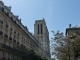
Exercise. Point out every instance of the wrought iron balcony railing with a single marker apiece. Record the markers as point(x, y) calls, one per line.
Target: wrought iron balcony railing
point(10, 48)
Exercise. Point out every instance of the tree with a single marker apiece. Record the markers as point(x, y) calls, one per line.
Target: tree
point(58, 44)
point(63, 47)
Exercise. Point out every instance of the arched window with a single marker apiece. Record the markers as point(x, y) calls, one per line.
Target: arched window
point(41, 29)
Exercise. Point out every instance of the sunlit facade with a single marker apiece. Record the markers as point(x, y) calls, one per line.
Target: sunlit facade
point(13, 34)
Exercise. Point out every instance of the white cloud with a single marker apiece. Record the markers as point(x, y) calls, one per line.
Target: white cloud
point(50, 10)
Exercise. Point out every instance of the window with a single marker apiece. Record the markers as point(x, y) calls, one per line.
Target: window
point(7, 14)
point(17, 42)
point(11, 18)
point(15, 32)
point(38, 28)
point(1, 20)
point(10, 38)
point(18, 34)
point(14, 40)
point(1, 31)
point(6, 25)
point(2, 9)
point(26, 40)
point(22, 37)
point(11, 29)
point(41, 29)
point(6, 35)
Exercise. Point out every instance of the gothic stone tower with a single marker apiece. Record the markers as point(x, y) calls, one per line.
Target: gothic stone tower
point(42, 35)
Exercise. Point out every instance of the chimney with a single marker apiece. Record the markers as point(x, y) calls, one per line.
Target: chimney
point(69, 25)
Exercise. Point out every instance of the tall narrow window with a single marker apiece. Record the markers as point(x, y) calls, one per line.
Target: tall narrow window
point(11, 18)
point(41, 29)
point(6, 24)
point(7, 14)
point(2, 9)
point(38, 28)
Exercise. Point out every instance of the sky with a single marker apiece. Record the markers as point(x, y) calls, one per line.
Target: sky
point(58, 14)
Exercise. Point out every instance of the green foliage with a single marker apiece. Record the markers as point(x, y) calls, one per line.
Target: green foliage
point(31, 55)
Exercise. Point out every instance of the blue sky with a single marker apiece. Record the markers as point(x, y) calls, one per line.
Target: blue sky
point(58, 14)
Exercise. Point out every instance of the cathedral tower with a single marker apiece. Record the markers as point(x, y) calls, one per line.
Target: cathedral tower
point(42, 35)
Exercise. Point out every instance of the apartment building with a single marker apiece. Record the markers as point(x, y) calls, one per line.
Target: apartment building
point(13, 35)
point(73, 29)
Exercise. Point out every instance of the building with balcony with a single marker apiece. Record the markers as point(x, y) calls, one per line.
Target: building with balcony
point(14, 35)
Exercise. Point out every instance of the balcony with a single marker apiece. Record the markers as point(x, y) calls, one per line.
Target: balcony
point(14, 50)
point(6, 36)
point(10, 38)
point(11, 18)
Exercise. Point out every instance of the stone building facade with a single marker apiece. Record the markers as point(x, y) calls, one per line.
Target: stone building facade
point(13, 34)
point(71, 30)
point(42, 35)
